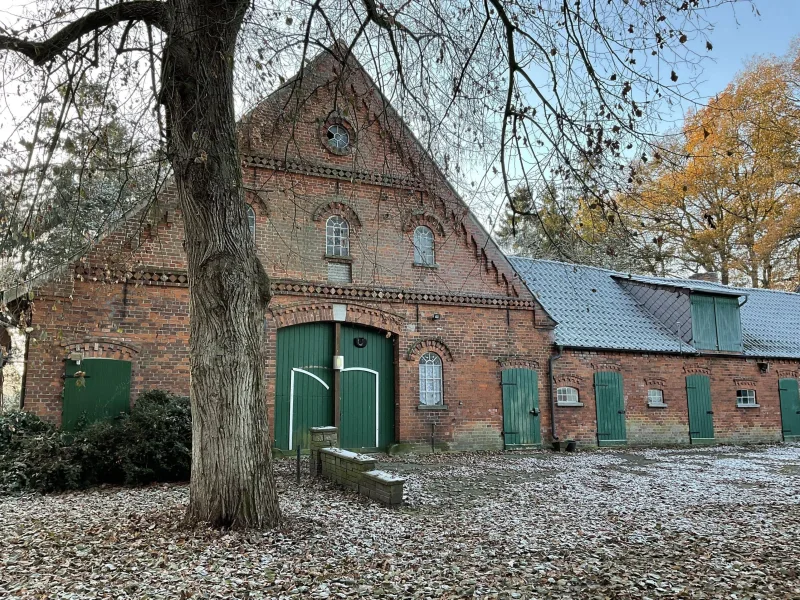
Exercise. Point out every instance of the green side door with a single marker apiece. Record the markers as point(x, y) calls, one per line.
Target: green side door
point(367, 411)
point(303, 383)
point(610, 403)
point(790, 409)
point(102, 392)
point(701, 417)
point(521, 415)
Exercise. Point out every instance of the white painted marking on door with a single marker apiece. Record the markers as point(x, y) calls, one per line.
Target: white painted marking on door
point(377, 397)
point(291, 397)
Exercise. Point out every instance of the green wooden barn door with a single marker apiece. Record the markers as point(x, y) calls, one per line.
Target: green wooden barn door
point(521, 415)
point(701, 417)
point(102, 393)
point(610, 403)
point(790, 409)
point(303, 383)
point(366, 419)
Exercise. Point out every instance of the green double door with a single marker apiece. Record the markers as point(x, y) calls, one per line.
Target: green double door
point(97, 389)
point(701, 417)
point(521, 414)
point(305, 385)
point(610, 404)
point(790, 409)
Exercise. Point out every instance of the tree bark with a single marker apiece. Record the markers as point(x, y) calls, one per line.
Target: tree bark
point(232, 481)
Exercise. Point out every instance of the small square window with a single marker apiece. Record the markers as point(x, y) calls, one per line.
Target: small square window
point(567, 396)
point(655, 397)
point(746, 398)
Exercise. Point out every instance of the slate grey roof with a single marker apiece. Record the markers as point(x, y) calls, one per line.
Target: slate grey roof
point(594, 311)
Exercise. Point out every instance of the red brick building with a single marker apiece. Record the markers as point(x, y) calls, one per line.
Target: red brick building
point(394, 314)
point(649, 360)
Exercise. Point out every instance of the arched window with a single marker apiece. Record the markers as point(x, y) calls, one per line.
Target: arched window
point(251, 220)
point(430, 379)
point(337, 237)
point(423, 246)
point(566, 396)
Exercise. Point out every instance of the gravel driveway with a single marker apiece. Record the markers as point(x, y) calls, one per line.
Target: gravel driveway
point(713, 523)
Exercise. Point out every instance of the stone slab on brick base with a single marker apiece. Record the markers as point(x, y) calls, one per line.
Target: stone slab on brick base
point(357, 472)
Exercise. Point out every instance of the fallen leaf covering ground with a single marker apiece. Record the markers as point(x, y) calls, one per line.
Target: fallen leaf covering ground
point(712, 523)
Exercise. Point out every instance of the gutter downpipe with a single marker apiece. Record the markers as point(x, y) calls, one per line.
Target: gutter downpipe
point(553, 358)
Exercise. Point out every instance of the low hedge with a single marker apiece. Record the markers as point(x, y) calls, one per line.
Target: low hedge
point(151, 444)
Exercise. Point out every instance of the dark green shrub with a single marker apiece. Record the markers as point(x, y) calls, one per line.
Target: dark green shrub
point(151, 444)
point(157, 439)
point(16, 425)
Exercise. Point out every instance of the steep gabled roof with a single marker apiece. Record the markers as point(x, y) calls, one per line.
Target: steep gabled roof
point(594, 311)
point(325, 68)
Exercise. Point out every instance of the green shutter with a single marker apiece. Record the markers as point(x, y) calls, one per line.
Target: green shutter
point(729, 325)
point(790, 409)
point(360, 400)
point(610, 404)
point(105, 392)
point(521, 414)
point(701, 419)
point(704, 323)
point(308, 403)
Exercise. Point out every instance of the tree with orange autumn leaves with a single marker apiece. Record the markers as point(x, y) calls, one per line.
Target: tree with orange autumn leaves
point(724, 194)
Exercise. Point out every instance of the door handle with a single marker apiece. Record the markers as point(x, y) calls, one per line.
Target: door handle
point(534, 412)
point(709, 412)
point(620, 412)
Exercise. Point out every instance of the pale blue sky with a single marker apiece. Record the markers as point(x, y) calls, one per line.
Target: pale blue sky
point(739, 34)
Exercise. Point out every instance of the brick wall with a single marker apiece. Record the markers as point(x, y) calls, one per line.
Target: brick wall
point(670, 425)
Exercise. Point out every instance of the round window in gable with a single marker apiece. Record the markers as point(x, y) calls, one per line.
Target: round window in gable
point(338, 137)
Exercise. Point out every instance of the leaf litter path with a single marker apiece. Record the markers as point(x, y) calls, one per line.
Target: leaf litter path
point(713, 523)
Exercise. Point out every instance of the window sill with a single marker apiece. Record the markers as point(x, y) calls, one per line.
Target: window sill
point(654, 405)
point(335, 258)
point(569, 404)
point(434, 407)
point(748, 406)
point(425, 266)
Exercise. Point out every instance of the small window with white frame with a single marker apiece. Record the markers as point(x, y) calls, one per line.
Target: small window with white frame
point(746, 398)
point(337, 236)
point(567, 396)
point(655, 397)
point(424, 247)
point(430, 380)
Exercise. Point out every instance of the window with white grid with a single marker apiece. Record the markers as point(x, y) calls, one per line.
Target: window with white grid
point(567, 395)
point(423, 246)
point(746, 398)
point(337, 237)
point(655, 397)
point(430, 379)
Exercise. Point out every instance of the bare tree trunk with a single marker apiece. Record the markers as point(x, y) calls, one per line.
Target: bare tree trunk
point(232, 480)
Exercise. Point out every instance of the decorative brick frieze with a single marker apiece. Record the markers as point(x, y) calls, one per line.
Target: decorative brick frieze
point(95, 347)
point(606, 366)
point(696, 370)
point(311, 313)
point(337, 207)
point(378, 294)
point(427, 219)
point(740, 382)
point(517, 363)
point(429, 345)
